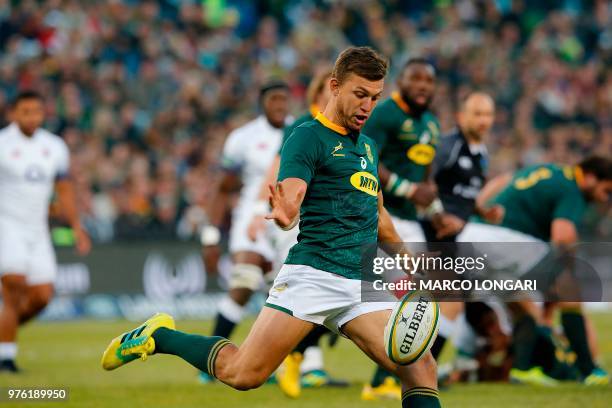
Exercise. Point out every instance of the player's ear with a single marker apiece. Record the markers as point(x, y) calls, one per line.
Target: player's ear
point(334, 85)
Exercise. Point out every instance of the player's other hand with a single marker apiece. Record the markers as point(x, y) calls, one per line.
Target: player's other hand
point(493, 215)
point(423, 194)
point(211, 255)
point(447, 225)
point(285, 210)
point(256, 227)
point(82, 241)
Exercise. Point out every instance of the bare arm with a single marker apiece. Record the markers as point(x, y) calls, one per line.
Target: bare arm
point(67, 204)
point(386, 230)
point(219, 203)
point(563, 232)
point(492, 188)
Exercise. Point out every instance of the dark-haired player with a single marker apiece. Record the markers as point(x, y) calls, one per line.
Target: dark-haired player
point(320, 281)
point(407, 134)
point(543, 204)
point(33, 162)
point(247, 154)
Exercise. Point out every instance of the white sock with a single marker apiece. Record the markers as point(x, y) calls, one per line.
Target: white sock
point(447, 327)
point(231, 310)
point(8, 351)
point(313, 359)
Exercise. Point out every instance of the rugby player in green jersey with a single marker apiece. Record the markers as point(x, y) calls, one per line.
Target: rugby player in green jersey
point(407, 134)
point(328, 180)
point(304, 366)
point(543, 204)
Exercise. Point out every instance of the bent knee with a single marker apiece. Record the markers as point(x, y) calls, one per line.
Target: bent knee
point(249, 381)
point(422, 373)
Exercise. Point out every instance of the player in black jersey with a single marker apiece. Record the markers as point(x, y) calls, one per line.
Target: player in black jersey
point(460, 171)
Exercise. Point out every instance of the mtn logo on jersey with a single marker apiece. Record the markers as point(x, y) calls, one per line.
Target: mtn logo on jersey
point(421, 154)
point(366, 182)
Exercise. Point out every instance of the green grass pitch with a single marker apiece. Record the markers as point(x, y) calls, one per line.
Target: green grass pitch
point(68, 355)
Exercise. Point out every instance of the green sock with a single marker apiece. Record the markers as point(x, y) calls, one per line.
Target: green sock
point(524, 339)
point(379, 376)
point(420, 397)
point(575, 331)
point(199, 351)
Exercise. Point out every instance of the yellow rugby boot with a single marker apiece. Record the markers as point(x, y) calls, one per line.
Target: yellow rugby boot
point(136, 343)
point(389, 389)
point(288, 375)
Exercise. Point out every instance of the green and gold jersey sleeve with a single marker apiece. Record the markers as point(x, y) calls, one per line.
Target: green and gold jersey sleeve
point(570, 204)
point(300, 155)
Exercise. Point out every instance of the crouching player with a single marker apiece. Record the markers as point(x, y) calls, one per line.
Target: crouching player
point(543, 203)
point(334, 191)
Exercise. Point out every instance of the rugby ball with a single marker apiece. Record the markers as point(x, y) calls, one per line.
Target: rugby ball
point(412, 328)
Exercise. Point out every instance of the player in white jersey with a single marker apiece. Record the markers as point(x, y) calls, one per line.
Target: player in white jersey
point(33, 162)
point(247, 154)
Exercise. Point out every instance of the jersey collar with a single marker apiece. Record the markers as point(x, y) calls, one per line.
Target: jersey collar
point(399, 101)
point(314, 110)
point(331, 125)
point(579, 175)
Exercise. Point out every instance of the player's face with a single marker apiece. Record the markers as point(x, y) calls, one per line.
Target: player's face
point(477, 116)
point(356, 97)
point(29, 115)
point(596, 190)
point(276, 106)
point(417, 85)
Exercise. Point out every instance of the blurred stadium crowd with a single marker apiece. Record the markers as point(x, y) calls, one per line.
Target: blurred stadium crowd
point(145, 92)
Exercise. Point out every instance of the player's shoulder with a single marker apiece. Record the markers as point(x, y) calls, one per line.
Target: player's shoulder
point(245, 132)
point(309, 134)
point(309, 128)
point(51, 138)
point(451, 138)
point(7, 130)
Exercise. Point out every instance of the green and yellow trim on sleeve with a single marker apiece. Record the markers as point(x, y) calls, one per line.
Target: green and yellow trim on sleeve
point(400, 102)
point(331, 125)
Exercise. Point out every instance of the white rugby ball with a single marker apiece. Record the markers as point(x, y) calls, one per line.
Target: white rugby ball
point(412, 328)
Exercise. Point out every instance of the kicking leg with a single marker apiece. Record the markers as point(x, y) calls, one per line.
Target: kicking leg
point(419, 380)
point(273, 335)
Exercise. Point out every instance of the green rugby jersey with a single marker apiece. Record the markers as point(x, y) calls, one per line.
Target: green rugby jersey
point(340, 210)
point(288, 130)
point(539, 194)
point(407, 146)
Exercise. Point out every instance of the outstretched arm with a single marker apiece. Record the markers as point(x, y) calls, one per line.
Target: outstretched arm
point(285, 200)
